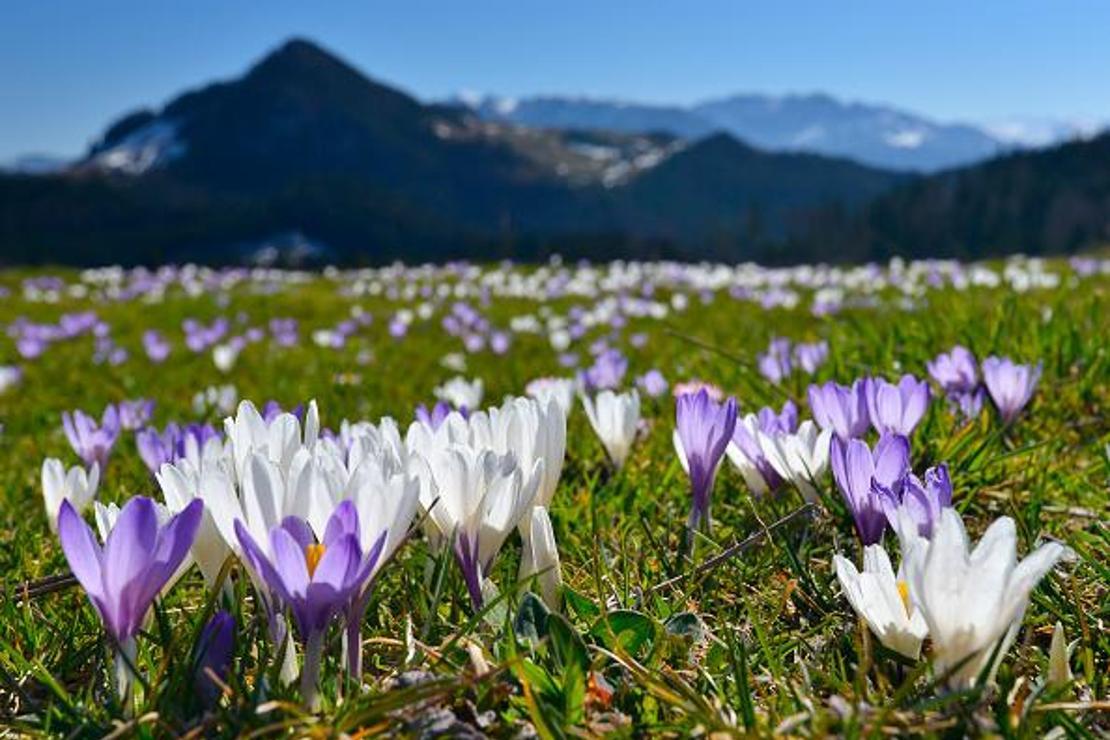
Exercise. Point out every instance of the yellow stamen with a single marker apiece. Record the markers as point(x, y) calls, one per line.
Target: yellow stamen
point(312, 555)
point(904, 592)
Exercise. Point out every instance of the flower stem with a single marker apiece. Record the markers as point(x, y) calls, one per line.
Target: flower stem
point(310, 671)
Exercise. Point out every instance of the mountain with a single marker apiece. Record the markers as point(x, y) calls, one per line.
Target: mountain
point(720, 191)
point(305, 149)
point(876, 135)
point(584, 113)
point(1032, 132)
point(34, 164)
point(1050, 201)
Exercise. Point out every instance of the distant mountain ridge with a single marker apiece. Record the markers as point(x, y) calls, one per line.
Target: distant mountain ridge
point(303, 143)
point(305, 157)
point(880, 136)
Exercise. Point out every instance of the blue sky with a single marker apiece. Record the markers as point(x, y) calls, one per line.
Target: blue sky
point(69, 68)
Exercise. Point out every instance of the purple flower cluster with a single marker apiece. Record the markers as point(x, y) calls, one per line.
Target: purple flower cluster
point(783, 357)
point(1009, 384)
point(200, 336)
point(173, 443)
point(32, 339)
point(606, 373)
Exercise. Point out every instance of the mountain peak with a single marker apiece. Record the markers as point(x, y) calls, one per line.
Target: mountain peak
point(299, 59)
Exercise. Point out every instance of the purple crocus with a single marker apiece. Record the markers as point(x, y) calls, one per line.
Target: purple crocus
point(135, 414)
point(896, 409)
point(212, 656)
point(764, 478)
point(954, 371)
point(840, 408)
point(123, 577)
point(92, 442)
point(703, 431)
point(855, 467)
point(652, 383)
point(921, 500)
point(315, 580)
point(776, 363)
point(1010, 385)
point(158, 448)
point(606, 373)
point(438, 413)
point(811, 355)
point(155, 346)
point(779, 422)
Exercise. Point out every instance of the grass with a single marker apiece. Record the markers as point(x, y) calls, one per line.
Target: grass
point(758, 643)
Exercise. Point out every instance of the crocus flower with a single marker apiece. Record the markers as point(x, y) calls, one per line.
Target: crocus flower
point(882, 600)
point(810, 355)
point(156, 346)
point(973, 600)
point(1010, 385)
point(606, 373)
point(482, 497)
point(542, 558)
point(799, 457)
point(92, 443)
point(74, 485)
point(135, 414)
point(559, 389)
point(212, 656)
point(316, 580)
point(746, 453)
point(955, 371)
point(432, 419)
point(921, 500)
point(840, 408)
point(855, 467)
point(693, 386)
point(703, 430)
point(652, 383)
point(157, 448)
point(10, 376)
point(776, 363)
point(123, 577)
point(615, 418)
point(896, 409)
point(460, 392)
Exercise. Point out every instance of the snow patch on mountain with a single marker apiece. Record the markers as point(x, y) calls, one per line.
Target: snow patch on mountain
point(149, 147)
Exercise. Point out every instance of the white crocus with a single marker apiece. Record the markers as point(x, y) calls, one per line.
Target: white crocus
point(224, 357)
point(532, 430)
point(540, 557)
point(882, 599)
point(480, 497)
point(973, 600)
point(180, 484)
point(561, 390)
point(615, 418)
point(460, 392)
point(74, 485)
point(800, 458)
point(279, 439)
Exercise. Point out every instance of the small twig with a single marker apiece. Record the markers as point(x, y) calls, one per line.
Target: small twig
point(42, 586)
point(736, 548)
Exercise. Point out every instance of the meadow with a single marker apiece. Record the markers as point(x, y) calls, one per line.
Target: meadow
point(629, 622)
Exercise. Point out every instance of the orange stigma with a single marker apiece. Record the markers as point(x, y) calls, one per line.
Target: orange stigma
point(904, 592)
point(312, 555)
